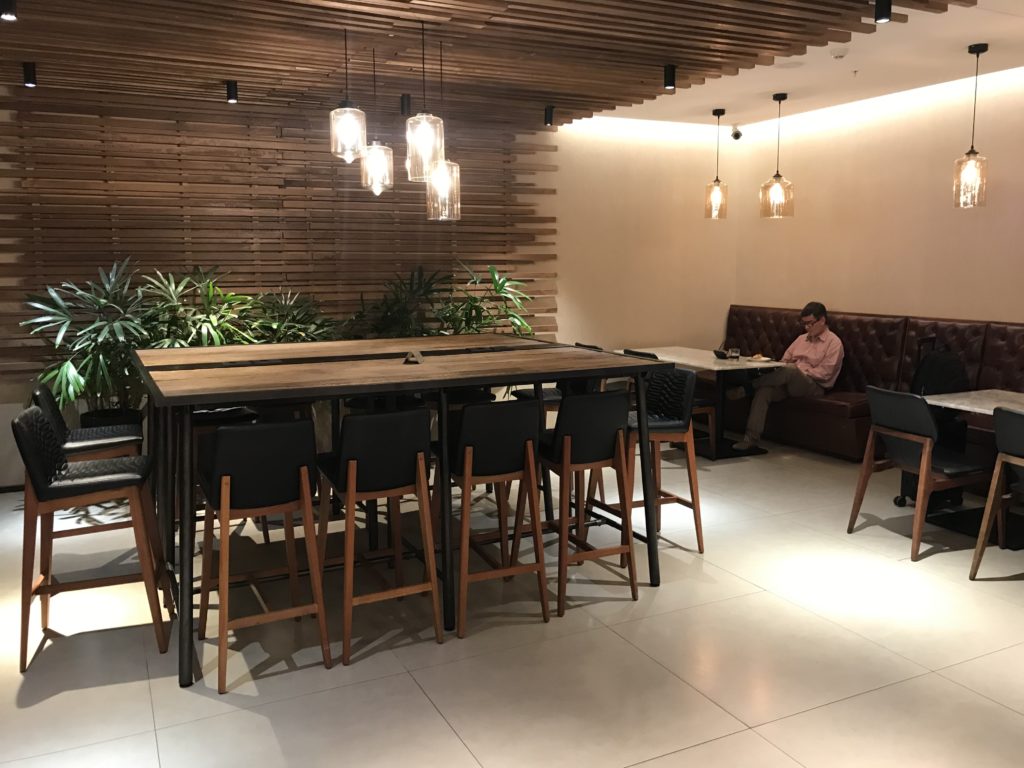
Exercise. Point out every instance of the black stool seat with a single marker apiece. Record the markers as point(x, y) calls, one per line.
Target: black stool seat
point(547, 394)
point(215, 417)
point(954, 464)
point(658, 423)
point(82, 477)
point(97, 438)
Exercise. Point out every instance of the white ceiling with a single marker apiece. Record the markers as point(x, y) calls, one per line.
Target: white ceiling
point(930, 48)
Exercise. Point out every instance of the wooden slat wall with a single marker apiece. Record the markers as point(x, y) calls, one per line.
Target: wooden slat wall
point(88, 179)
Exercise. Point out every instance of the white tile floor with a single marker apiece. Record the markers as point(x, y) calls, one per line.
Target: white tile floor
point(788, 643)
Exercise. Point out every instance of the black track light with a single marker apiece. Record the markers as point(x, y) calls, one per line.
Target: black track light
point(549, 115)
point(8, 10)
point(232, 89)
point(405, 104)
point(29, 69)
point(883, 11)
point(670, 77)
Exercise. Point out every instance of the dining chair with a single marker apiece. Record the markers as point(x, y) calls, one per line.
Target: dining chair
point(381, 456)
point(52, 484)
point(589, 434)
point(1008, 471)
point(251, 471)
point(88, 442)
point(496, 444)
point(908, 433)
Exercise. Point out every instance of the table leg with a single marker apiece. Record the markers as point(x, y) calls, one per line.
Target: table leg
point(335, 447)
point(444, 483)
point(186, 533)
point(650, 515)
point(545, 475)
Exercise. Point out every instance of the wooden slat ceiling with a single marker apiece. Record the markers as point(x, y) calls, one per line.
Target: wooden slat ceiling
point(504, 59)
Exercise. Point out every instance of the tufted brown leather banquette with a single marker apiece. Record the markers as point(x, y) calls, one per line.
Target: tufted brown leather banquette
point(880, 350)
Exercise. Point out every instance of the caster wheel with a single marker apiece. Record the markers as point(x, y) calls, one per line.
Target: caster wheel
point(900, 501)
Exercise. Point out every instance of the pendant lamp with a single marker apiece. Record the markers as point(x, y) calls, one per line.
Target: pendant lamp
point(970, 172)
point(377, 167)
point(424, 133)
point(444, 186)
point(777, 192)
point(348, 124)
point(716, 194)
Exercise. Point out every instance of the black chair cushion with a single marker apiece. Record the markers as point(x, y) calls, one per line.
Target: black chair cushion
point(658, 423)
point(82, 477)
point(548, 394)
point(262, 460)
point(955, 464)
point(97, 438)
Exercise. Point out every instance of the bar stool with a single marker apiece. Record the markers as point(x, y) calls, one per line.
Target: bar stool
point(590, 434)
point(88, 442)
point(52, 484)
point(494, 444)
point(669, 409)
point(381, 455)
point(1009, 429)
point(255, 470)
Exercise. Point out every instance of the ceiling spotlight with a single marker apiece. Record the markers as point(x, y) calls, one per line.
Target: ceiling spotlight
point(670, 77)
point(232, 88)
point(883, 11)
point(29, 69)
point(549, 115)
point(8, 10)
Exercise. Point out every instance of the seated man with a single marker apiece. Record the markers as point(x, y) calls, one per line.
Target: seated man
point(812, 367)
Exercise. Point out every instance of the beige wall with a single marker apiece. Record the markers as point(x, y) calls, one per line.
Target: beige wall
point(875, 229)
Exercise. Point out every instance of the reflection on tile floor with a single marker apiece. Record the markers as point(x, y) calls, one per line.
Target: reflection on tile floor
point(788, 643)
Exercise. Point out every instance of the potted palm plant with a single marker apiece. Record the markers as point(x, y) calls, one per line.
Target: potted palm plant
point(94, 328)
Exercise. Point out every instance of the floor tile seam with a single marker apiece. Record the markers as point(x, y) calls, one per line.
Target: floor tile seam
point(505, 647)
point(647, 760)
point(776, 746)
point(940, 670)
point(446, 721)
point(854, 632)
point(985, 696)
point(840, 700)
point(951, 580)
point(77, 746)
point(293, 697)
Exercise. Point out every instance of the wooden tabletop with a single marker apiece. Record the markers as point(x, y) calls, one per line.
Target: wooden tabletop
point(979, 401)
point(311, 375)
point(705, 360)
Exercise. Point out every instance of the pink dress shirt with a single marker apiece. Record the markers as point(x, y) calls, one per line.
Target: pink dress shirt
point(817, 358)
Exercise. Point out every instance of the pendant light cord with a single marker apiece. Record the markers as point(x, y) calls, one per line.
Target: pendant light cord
point(346, 65)
point(974, 115)
point(718, 141)
point(423, 61)
point(440, 61)
point(778, 139)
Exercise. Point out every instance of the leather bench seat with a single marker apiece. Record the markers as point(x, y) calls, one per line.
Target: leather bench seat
point(846, 405)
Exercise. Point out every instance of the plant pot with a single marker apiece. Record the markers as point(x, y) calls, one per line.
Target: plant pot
point(107, 417)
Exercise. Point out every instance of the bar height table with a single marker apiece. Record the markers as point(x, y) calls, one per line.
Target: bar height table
point(180, 380)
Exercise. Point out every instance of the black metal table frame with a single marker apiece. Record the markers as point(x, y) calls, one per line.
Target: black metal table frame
point(171, 430)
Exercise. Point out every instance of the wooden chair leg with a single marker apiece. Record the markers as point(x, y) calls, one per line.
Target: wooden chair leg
point(924, 492)
point(265, 528)
point(600, 487)
point(395, 526)
point(866, 467)
point(535, 525)
point(28, 566)
point(223, 584)
point(428, 545)
point(520, 510)
point(315, 566)
point(148, 568)
point(564, 488)
point(501, 498)
point(292, 556)
point(321, 529)
point(45, 566)
point(623, 478)
point(156, 546)
point(581, 507)
point(349, 564)
point(206, 574)
point(464, 532)
point(995, 497)
point(691, 474)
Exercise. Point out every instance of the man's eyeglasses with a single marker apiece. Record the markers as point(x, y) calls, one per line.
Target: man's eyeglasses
point(809, 323)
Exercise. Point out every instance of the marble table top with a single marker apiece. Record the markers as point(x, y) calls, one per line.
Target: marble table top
point(979, 401)
point(705, 360)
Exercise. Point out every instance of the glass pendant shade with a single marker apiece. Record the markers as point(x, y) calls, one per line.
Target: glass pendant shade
point(777, 198)
point(716, 200)
point(969, 180)
point(444, 193)
point(378, 168)
point(424, 137)
point(348, 133)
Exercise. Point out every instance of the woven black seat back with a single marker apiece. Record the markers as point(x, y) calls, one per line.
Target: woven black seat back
point(670, 393)
point(43, 397)
point(39, 446)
